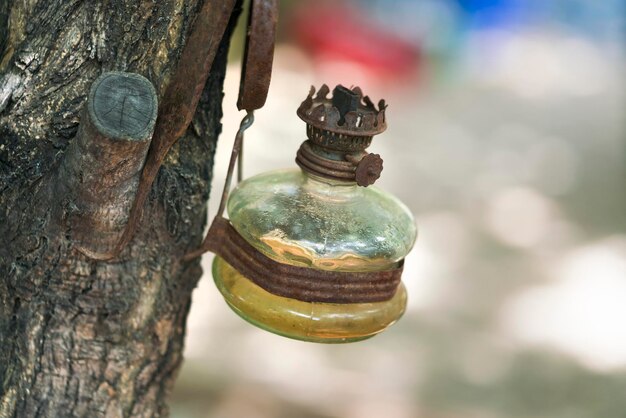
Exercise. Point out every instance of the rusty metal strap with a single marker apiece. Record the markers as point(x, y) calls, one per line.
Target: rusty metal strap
point(302, 283)
point(256, 70)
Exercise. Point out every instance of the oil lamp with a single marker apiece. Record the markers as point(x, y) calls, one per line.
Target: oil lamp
point(316, 253)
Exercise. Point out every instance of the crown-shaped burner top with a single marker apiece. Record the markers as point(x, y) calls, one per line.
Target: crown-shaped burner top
point(347, 112)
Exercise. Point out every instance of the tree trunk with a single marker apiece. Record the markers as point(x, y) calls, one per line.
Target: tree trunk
point(80, 337)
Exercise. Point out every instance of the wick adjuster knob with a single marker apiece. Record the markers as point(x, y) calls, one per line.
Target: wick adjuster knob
point(368, 170)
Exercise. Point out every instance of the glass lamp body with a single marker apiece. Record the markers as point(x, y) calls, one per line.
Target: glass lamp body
point(299, 219)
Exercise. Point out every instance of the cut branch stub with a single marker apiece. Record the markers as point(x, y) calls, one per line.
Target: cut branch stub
point(102, 166)
point(123, 106)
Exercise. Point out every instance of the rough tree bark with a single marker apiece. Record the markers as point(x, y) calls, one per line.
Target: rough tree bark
point(80, 337)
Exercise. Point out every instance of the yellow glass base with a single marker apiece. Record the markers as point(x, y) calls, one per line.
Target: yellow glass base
point(315, 322)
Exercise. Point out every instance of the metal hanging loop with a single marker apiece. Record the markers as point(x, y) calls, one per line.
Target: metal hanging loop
point(246, 122)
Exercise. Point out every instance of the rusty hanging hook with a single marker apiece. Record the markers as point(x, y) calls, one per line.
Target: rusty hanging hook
point(256, 69)
point(183, 92)
point(236, 152)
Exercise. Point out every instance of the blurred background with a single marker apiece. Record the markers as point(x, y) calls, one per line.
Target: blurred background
point(506, 139)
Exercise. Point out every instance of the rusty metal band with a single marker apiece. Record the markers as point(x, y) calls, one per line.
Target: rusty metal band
point(301, 283)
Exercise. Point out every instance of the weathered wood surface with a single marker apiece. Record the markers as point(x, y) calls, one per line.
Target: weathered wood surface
point(80, 337)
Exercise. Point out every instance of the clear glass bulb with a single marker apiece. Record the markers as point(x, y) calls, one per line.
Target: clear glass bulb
point(299, 219)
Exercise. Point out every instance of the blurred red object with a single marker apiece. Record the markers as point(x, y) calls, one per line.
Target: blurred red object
point(340, 32)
